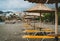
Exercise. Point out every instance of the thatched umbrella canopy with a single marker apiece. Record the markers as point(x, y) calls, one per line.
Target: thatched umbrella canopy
point(30, 16)
point(44, 1)
point(40, 8)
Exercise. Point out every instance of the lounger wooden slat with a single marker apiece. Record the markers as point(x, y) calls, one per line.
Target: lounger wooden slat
point(46, 29)
point(31, 36)
point(31, 31)
point(38, 31)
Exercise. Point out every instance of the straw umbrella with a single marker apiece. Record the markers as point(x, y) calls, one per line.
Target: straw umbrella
point(40, 8)
point(56, 10)
point(29, 17)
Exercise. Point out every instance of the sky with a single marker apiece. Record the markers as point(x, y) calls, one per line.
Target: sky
point(14, 5)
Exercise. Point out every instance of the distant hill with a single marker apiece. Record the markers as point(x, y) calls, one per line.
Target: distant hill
point(1, 12)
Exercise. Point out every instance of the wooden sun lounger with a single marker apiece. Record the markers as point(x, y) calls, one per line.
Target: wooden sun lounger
point(31, 31)
point(47, 36)
point(38, 31)
point(26, 25)
point(46, 29)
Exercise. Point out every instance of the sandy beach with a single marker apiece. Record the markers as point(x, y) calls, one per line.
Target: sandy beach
point(14, 32)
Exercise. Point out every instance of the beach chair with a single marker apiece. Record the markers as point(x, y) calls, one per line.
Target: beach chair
point(40, 37)
point(26, 25)
point(43, 30)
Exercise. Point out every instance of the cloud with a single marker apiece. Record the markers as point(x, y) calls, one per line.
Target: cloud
point(14, 5)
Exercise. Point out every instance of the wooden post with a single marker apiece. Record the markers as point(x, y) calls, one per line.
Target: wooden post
point(56, 18)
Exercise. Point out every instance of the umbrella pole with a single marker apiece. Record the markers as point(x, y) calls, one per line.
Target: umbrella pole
point(40, 20)
point(56, 22)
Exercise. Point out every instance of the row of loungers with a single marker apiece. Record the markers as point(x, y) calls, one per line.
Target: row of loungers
point(46, 33)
